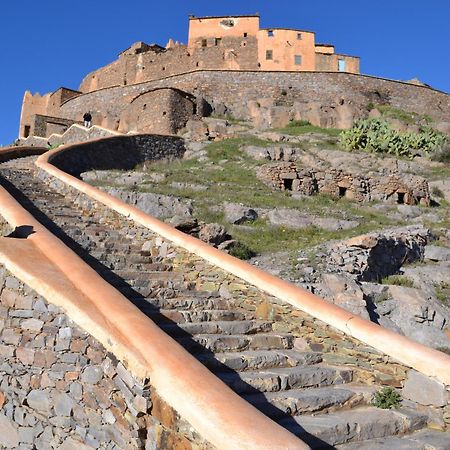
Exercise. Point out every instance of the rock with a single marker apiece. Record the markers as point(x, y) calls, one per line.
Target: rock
point(185, 224)
point(63, 405)
point(294, 219)
point(156, 205)
point(364, 241)
point(424, 390)
point(32, 324)
point(196, 129)
point(213, 233)
point(72, 444)
point(257, 153)
point(39, 400)
point(237, 214)
point(428, 274)
point(9, 436)
point(216, 127)
point(418, 314)
point(345, 292)
point(92, 374)
point(435, 253)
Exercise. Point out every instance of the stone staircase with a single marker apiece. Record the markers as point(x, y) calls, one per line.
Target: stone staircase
point(319, 402)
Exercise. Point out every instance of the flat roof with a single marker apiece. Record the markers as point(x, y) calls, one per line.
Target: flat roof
point(324, 45)
point(288, 29)
point(192, 17)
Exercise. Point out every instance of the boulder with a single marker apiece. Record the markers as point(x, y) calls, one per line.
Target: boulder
point(291, 218)
point(435, 253)
point(424, 390)
point(156, 205)
point(213, 233)
point(345, 292)
point(419, 314)
point(257, 153)
point(238, 214)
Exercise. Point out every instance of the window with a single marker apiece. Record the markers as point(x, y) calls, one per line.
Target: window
point(204, 43)
point(26, 131)
point(269, 54)
point(270, 33)
point(299, 36)
point(218, 41)
point(245, 34)
point(298, 60)
point(342, 65)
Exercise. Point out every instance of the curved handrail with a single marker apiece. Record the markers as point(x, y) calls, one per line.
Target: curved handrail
point(429, 361)
point(219, 415)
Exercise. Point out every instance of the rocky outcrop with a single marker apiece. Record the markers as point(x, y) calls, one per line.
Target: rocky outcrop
point(373, 256)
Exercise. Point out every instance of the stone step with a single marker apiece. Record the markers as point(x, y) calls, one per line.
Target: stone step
point(251, 360)
point(217, 327)
point(195, 302)
point(359, 424)
point(187, 316)
point(218, 343)
point(281, 379)
point(295, 402)
point(420, 440)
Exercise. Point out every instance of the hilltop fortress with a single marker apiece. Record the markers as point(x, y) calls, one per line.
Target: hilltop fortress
point(229, 67)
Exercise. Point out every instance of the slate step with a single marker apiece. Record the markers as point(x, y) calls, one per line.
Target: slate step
point(186, 316)
point(198, 301)
point(217, 327)
point(420, 440)
point(258, 359)
point(360, 424)
point(281, 379)
point(218, 343)
point(295, 402)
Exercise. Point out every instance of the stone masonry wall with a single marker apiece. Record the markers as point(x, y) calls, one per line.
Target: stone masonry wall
point(327, 99)
point(123, 152)
point(370, 365)
point(392, 187)
point(60, 388)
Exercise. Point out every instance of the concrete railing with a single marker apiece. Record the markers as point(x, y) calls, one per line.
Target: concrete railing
point(50, 268)
point(408, 352)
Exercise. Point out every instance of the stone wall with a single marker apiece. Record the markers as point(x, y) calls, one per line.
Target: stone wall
point(326, 99)
point(161, 111)
point(120, 152)
point(44, 126)
point(60, 388)
point(391, 187)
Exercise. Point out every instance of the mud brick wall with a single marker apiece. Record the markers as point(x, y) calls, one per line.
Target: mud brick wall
point(60, 388)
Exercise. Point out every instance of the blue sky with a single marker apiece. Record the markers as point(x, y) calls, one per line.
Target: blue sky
point(51, 43)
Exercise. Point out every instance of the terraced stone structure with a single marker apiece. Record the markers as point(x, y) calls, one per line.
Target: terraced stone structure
point(61, 388)
point(391, 187)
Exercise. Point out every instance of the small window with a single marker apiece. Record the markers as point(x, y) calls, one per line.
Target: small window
point(245, 34)
point(269, 54)
point(299, 36)
point(204, 43)
point(270, 33)
point(298, 60)
point(26, 131)
point(342, 67)
point(218, 42)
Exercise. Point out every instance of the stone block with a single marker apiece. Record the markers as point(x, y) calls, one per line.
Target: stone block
point(39, 400)
point(9, 436)
point(32, 324)
point(424, 390)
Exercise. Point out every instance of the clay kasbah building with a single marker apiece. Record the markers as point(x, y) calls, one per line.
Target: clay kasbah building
point(229, 66)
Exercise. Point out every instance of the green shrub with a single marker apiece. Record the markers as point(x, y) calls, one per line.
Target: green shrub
point(298, 123)
point(436, 192)
point(386, 398)
point(241, 251)
point(377, 136)
point(442, 153)
point(398, 280)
